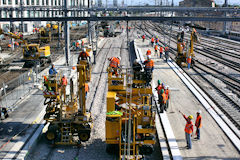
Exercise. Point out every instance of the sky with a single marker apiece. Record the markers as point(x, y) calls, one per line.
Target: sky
point(175, 1)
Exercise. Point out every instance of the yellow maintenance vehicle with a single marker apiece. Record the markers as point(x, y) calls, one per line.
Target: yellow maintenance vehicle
point(32, 53)
point(130, 117)
point(183, 50)
point(45, 34)
point(69, 121)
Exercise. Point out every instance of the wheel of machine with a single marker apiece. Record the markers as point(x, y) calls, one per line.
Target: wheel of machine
point(84, 136)
point(51, 133)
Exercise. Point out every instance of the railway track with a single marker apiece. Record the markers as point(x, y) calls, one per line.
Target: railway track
point(230, 108)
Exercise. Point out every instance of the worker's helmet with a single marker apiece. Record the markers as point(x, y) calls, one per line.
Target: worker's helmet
point(119, 58)
point(165, 87)
point(162, 90)
point(190, 56)
point(190, 117)
point(159, 82)
point(156, 36)
point(148, 57)
point(84, 49)
point(63, 75)
point(162, 84)
point(199, 111)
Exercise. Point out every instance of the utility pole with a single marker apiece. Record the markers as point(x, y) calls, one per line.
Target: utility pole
point(66, 34)
point(21, 5)
point(225, 14)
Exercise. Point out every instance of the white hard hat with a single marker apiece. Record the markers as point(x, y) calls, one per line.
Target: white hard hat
point(199, 111)
point(119, 58)
point(84, 49)
point(167, 87)
point(136, 61)
point(63, 75)
point(148, 56)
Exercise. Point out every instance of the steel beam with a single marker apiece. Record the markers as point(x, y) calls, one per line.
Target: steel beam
point(134, 18)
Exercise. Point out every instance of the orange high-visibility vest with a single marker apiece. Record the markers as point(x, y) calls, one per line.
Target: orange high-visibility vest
point(149, 52)
point(156, 48)
point(189, 60)
point(9, 45)
point(167, 94)
point(77, 44)
point(152, 40)
point(188, 128)
point(114, 62)
point(143, 37)
point(166, 48)
point(161, 49)
point(84, 54)
point(198, 121)
point(164, 98)
point(86, 87)
point(64, 81)
point(149, 64)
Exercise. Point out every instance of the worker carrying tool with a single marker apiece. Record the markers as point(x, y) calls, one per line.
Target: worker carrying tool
point(152, 41)
point(137, 67)
point(143, 38)
point(188, 130)
point(198, 124)
point(115, 64)
point(52, 70)
point(148, 52)
point(84, 55)
point(149, 67)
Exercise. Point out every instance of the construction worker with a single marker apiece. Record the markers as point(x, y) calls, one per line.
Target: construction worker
point(198, 124)
point(82, 44)
point(162, 100)
point(46, 83)
point(159, 87)
point(143, 38)
point(63, 86)
point(52, 70)
point(77, 45)
point(115, 64)
point(157, 40)
point(16, 44)
point(152, 41)
point(148, 52)
point(149, 67)
point(84, 55)
point(136, 69)
point(189, 59)
point(167, 92)
point(166, 53)
point(156, 49)
point(188, 130)
point(161, 51)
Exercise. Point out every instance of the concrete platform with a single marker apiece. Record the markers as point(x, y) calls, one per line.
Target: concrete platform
point(214, 144)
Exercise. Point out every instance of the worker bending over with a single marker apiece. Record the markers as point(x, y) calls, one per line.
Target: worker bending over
point(188, 130)
point(137, 67)
point(149, 67)
point(84, 55)
point(115, 64)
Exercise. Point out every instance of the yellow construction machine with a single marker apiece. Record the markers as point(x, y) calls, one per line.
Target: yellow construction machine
point(183, 50)
point(130, 117)
point(69, 121)
point(32, 53)
point(45, 34)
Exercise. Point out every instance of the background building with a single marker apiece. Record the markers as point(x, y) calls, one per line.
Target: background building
point(28, 26)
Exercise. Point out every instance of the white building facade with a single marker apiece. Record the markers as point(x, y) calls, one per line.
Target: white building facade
point(28, 26)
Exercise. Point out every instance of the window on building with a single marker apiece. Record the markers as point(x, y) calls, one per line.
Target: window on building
point(59, 2)
point(0, 14)
point(16, 2)
point(4, 14)
point(17, 14)
point(28, 2)
point(33, 2)
point(55, 2)
point(25, 28)
point(47, 2)
point(4, 1)
point(37, 2)
point(32, 14)
point(9, 2)
point(43, 2)
point(47, 13)
point(28, 13)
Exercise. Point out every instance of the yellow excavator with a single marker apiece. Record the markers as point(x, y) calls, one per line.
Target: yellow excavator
point(47, 33)
point(182, 56)
point(32, 53)
point(70, 122)
point(130, 117)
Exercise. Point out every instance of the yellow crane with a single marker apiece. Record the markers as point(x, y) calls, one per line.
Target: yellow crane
point(70, 122)
point(182, 56)
point(32, 53)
